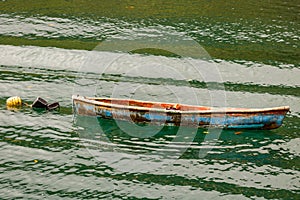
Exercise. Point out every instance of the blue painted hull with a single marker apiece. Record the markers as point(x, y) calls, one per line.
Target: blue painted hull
point(168, 114)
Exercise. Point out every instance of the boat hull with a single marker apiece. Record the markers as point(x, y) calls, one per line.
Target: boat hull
point(156, 113)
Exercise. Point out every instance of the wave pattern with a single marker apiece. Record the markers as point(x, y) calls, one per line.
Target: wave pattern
point(44, 154)
point(55, 155)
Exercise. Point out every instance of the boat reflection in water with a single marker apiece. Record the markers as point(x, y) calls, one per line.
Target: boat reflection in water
point(165, 130)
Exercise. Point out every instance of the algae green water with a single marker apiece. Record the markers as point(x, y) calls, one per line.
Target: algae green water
point(55, 155)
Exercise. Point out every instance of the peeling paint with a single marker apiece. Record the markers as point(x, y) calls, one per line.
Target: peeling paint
point(203, 117)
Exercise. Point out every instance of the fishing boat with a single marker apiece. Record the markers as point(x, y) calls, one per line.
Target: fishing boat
point(174, 114)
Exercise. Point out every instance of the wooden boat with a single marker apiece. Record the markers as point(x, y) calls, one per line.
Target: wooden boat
point(172, 114)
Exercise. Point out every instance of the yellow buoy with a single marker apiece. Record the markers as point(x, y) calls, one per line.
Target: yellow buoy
point(14, 101)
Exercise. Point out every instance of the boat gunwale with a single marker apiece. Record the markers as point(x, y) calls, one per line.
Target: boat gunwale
point(213, 110)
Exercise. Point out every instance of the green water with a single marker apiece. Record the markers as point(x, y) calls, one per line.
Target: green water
point(45, 50)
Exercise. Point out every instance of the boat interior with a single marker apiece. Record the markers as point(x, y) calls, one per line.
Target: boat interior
point(148, 104)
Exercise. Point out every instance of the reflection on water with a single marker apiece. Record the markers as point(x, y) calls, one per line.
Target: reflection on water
point(254, 45)
point(241, 32)
point(57, 158)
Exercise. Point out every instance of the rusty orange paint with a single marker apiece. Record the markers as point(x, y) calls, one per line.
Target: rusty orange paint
point(174, 114)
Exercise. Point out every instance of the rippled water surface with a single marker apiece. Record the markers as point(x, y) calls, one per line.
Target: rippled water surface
point(57, 49)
